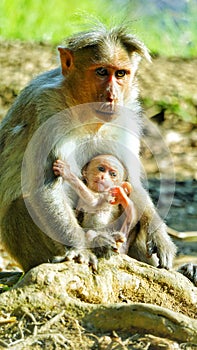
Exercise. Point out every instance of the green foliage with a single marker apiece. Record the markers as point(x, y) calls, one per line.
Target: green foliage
point(46, 20)
point(181, 106)
point(164, 30)
point(170, 35)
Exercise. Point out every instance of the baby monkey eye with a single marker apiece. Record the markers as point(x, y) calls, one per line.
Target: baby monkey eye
point(112, 173)
point(120, 73)
point(101, 168)
point(101, 71)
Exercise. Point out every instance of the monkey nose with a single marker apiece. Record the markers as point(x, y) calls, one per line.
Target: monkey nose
point(110, 99)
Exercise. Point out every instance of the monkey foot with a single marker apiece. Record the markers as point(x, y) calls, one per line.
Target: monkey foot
point(189, 270)
point(105, 244)
point(79, 256)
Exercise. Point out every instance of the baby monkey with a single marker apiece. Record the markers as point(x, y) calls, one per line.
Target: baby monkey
point(108, 214)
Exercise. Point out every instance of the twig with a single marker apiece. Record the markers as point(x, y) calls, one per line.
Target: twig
point(49, 323)
point(187, 235)
point(8, 320)
point(35, 331)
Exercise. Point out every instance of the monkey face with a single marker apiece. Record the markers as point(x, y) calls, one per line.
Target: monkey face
point(103, 172)
point(102, 75)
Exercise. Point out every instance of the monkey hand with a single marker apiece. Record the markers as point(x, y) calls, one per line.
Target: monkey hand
point(160, 243)
point(61, 168)
point(104, 244)
point(119, 196)
point(81, 256)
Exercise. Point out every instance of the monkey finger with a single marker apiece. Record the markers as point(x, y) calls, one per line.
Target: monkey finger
point(88, 259)
point(93, 262)
point(58, 259)
point(150, 248)
point(115, 249)
point(59, 162)
point(56, 165)
point(71, 255)
point(103, 245)
point(119, 237)
point(163, 262)
point(114, 191)
point(113, 201)
point(127, 187)
point(79, 258)
point(56, 172)
point(165, 259)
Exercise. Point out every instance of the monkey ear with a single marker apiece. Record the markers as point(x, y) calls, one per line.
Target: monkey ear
point(84, 171)
point(67, 59)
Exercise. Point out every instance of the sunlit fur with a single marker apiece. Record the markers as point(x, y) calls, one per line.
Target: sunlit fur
point(75, 82)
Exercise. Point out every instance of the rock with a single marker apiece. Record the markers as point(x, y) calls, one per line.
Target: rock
point(123, 295)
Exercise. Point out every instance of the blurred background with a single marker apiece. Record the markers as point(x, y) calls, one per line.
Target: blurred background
point(167, 27)
point(30, 31)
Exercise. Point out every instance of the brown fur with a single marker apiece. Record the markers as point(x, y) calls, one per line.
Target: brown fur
point(79, 80)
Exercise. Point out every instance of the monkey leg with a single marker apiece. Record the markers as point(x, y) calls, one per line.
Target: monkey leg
point(23, 239)
point(138, 249)
point(160, 243)
point(29, 246)
point(153, 245)
point(155, 248)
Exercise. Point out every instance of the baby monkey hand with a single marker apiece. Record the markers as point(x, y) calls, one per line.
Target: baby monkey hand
point(61, 168)
point(120, 194)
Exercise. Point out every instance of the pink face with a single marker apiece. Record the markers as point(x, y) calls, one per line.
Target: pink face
point(104, 172)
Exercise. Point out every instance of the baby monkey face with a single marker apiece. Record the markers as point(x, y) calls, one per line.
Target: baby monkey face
point(104, 172)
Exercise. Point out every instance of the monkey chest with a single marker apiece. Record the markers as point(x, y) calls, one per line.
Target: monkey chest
point(102, 219)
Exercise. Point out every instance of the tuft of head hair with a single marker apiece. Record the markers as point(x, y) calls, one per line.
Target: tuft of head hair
point(100, 37)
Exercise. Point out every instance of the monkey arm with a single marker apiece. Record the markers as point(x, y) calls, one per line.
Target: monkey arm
point(91, 198)
point(121, 197)
point(131, 216)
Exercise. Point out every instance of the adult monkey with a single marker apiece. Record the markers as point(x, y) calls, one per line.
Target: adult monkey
point(96, 66)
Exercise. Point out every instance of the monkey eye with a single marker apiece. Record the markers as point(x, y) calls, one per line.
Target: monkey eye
point(120, 73)
point(112, 173)
point(101, 71)
point(101, 168)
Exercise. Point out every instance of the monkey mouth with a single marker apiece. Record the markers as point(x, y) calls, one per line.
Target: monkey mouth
point(107, 111)
point(103, 186)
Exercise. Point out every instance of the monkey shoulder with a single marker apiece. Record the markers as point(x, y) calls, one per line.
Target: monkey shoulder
point(41, 98)
point(46, 87)
point(51, 78)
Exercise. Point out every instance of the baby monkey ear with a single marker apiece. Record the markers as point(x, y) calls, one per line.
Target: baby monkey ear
point(84, 171)
point(67, 59)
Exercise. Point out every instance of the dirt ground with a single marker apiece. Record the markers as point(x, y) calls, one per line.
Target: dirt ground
point(168, 92)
